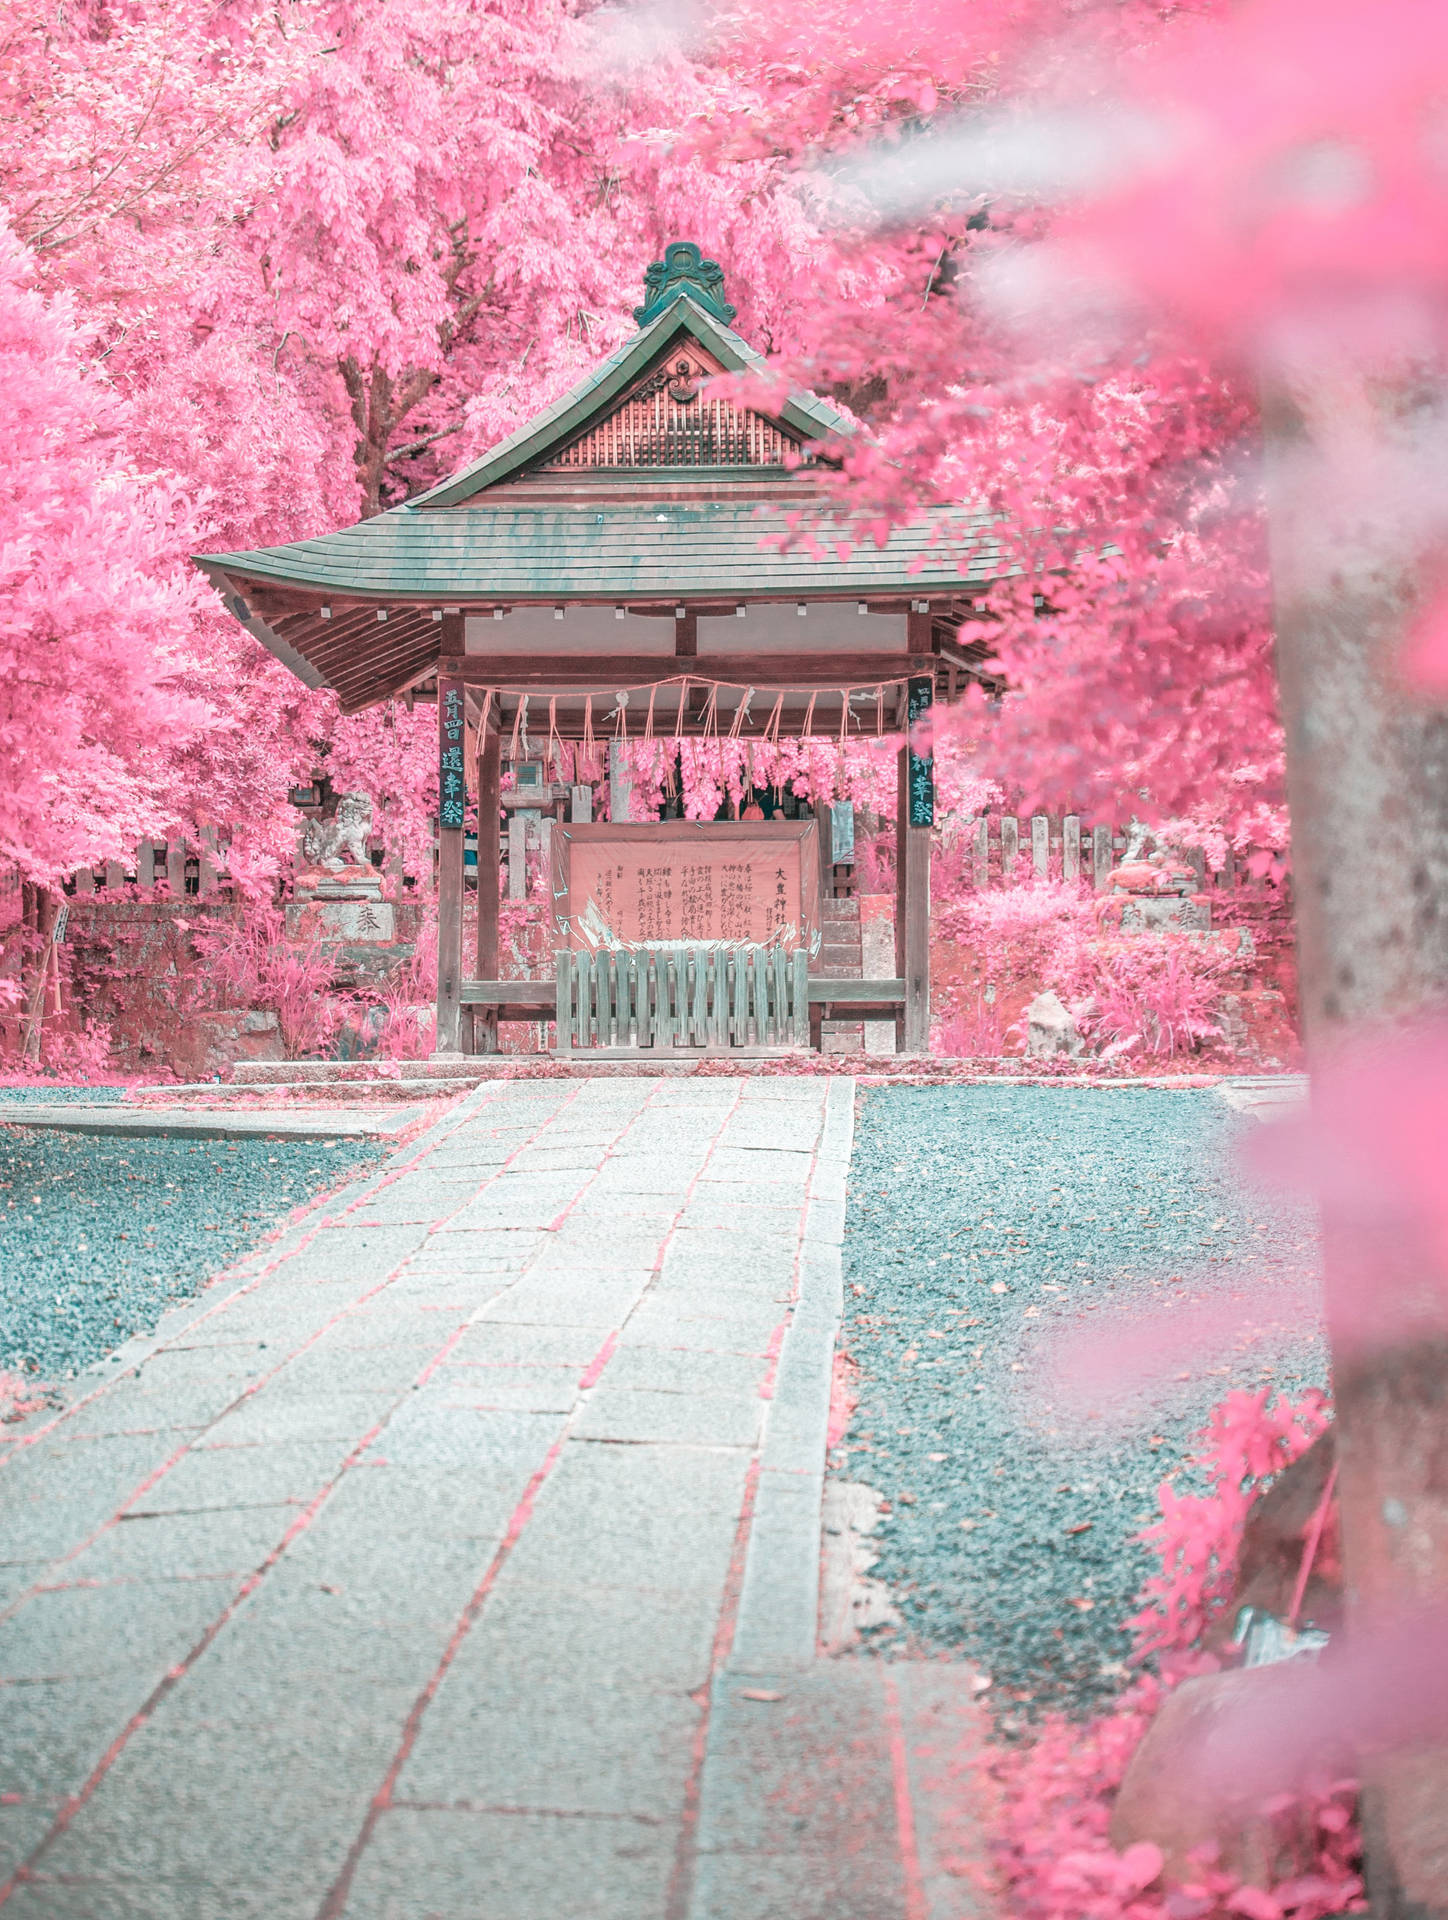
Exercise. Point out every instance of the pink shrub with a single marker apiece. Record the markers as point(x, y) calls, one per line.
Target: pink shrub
point(1197, 1540)
point(1156, 991)
point(973, 1034)
point(406, 1001)
point(255, 965)
point(1052, 1851)
point(76, 1054)
point(1026, 935)
point(1159, 989)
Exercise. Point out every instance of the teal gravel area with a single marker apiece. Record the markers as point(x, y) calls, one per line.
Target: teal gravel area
point(44, 1093)
point(982, 1222)
point(100, 1234)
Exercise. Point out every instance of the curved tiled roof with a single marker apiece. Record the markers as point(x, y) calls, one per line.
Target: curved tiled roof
point(655, 551)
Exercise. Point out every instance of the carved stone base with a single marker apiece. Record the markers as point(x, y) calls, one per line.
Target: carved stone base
point(1147, 913)
point(359, 919)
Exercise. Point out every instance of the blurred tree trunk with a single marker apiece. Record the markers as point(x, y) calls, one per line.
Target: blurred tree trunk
point(1367, 767)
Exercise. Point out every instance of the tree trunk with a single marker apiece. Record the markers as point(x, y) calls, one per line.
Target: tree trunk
point(1367, 768)
point(379, 406)
point(42, 978)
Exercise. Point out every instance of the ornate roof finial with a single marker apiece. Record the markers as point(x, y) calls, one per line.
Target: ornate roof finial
point(684, 269)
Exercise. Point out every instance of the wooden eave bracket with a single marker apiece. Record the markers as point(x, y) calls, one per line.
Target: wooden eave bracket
point(235, 594)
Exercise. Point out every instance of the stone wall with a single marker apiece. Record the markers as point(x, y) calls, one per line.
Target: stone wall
point(132, 965)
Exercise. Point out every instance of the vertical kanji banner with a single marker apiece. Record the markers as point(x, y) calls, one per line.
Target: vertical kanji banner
point(920, 777)
point(452, 776)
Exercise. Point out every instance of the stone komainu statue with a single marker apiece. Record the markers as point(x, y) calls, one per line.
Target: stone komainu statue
point(341, 841)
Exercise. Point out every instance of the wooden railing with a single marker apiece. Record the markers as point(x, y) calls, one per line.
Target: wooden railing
point(690, 999)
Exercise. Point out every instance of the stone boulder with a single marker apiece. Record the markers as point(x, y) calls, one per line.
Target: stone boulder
point(1189, 1786)
point(1051, 1029)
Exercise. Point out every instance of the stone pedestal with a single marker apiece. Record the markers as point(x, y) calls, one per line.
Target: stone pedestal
point(1154, 895)
point(342, 906)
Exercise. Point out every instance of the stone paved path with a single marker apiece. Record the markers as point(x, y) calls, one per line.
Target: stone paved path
point(394, 1578)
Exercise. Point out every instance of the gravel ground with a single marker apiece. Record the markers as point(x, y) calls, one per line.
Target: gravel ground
point(99, 1235)
point(979, 1219)
point(45, 1095)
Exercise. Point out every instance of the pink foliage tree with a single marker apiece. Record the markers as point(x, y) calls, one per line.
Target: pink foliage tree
point(96, 639)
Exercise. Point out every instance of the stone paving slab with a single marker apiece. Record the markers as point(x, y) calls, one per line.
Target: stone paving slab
point(386, 1580)
point(1266, 1096)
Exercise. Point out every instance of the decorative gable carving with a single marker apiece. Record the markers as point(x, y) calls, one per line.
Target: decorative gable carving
point(666, 421)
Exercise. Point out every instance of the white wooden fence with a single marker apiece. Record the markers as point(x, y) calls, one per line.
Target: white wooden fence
point(178, 868)
point(1002, 849)
point(714, 999)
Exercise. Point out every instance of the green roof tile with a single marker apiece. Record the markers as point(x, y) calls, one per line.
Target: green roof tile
point(653, 551)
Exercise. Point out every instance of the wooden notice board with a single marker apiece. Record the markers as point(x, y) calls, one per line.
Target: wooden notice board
point(687, 883)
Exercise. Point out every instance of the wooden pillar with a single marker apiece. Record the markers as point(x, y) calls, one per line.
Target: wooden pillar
point(490, 753)
point(206, 882)
point(915, 817)
point(452, 804)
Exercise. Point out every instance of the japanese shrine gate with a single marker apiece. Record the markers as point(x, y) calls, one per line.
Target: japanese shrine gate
point(616, 568)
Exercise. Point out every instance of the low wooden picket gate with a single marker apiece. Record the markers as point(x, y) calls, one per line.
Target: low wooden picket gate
point(707, 999)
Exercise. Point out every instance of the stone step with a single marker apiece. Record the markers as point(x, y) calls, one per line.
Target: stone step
point(212, 1093)
point(274, 1073)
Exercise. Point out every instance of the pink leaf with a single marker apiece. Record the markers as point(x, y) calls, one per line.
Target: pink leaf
point(1138, 1867)
point(1253, 1904)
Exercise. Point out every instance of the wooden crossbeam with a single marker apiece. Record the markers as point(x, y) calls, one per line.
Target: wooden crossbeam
point(800, 671)
point(856, 993)
point(536, 994)
point(533, 994)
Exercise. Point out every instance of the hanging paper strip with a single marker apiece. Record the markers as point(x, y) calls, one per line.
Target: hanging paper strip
point(555, 745)
point(845, 716)
point(518, 712)
point(880, 709)
point(741, 713)
point(620, 716)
